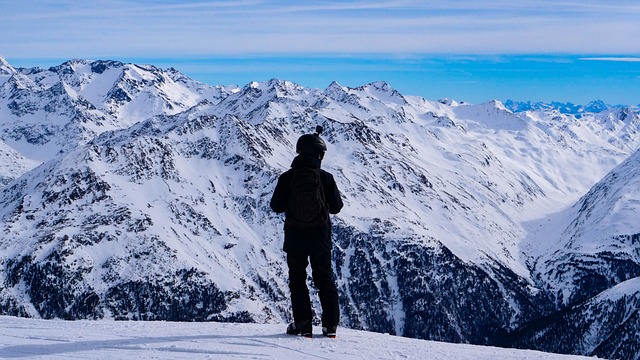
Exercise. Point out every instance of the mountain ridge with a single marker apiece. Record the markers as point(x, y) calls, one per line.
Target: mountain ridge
point(165, 216)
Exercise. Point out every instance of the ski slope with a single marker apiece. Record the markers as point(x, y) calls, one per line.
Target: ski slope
point(22, 338)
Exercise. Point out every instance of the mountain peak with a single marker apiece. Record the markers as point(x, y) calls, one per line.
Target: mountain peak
point(497, 104)
point(379, 85)
point(70, 66)
point(596, 106)
point(5, 68)
point(449, 102)
point(99, 66)
point(334, 87)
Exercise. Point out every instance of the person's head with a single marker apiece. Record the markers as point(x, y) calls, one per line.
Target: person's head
point(312, 145)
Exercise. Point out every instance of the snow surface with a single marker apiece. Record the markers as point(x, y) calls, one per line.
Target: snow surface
point(59, 339)
point(20, 164)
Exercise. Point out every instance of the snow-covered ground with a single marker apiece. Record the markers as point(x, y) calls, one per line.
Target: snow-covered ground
point(58, 339)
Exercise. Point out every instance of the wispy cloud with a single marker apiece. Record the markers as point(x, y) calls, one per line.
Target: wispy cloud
point(621, 59)
point(65, 28)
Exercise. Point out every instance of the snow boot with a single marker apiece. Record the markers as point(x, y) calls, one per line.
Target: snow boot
point(329, 331)
point(305, 330)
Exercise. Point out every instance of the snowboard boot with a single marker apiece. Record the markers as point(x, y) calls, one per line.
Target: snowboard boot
point(329, 331)
point(305, 329)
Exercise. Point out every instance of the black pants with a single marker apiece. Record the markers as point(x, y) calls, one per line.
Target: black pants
point(322, 279)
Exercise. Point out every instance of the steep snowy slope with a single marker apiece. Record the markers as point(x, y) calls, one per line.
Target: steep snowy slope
point(138, 215)
point(165, 215)
point(12, 164)
point(6, 70)
point(588, 258)
point(605, 325)
point(596, 243)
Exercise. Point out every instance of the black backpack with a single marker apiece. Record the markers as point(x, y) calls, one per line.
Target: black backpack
point(307, 207)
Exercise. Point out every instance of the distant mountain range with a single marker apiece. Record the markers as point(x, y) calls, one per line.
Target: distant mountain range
point(593, 107)
point(133, 192)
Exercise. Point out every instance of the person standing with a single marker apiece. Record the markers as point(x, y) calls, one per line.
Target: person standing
point(307, 195)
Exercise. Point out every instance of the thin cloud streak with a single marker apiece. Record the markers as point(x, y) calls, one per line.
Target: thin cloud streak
point(105, 10)
point(152, 28)
point(615, 59)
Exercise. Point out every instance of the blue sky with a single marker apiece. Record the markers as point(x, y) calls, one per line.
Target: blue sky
point(470, 51)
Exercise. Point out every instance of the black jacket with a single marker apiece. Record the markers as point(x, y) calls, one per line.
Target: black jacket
point(308, 241)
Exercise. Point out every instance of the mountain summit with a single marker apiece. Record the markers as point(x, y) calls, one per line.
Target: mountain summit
point(5, 68)
point(138, 193)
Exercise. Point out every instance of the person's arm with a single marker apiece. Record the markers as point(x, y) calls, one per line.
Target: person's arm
point(333, 195)
point(279, 198)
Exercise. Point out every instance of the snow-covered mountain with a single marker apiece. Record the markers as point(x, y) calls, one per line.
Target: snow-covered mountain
point(137, 193)
point(565, 108)
point(46, 111)
point(588, 256)
point(605, 325)
point(600, 232)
